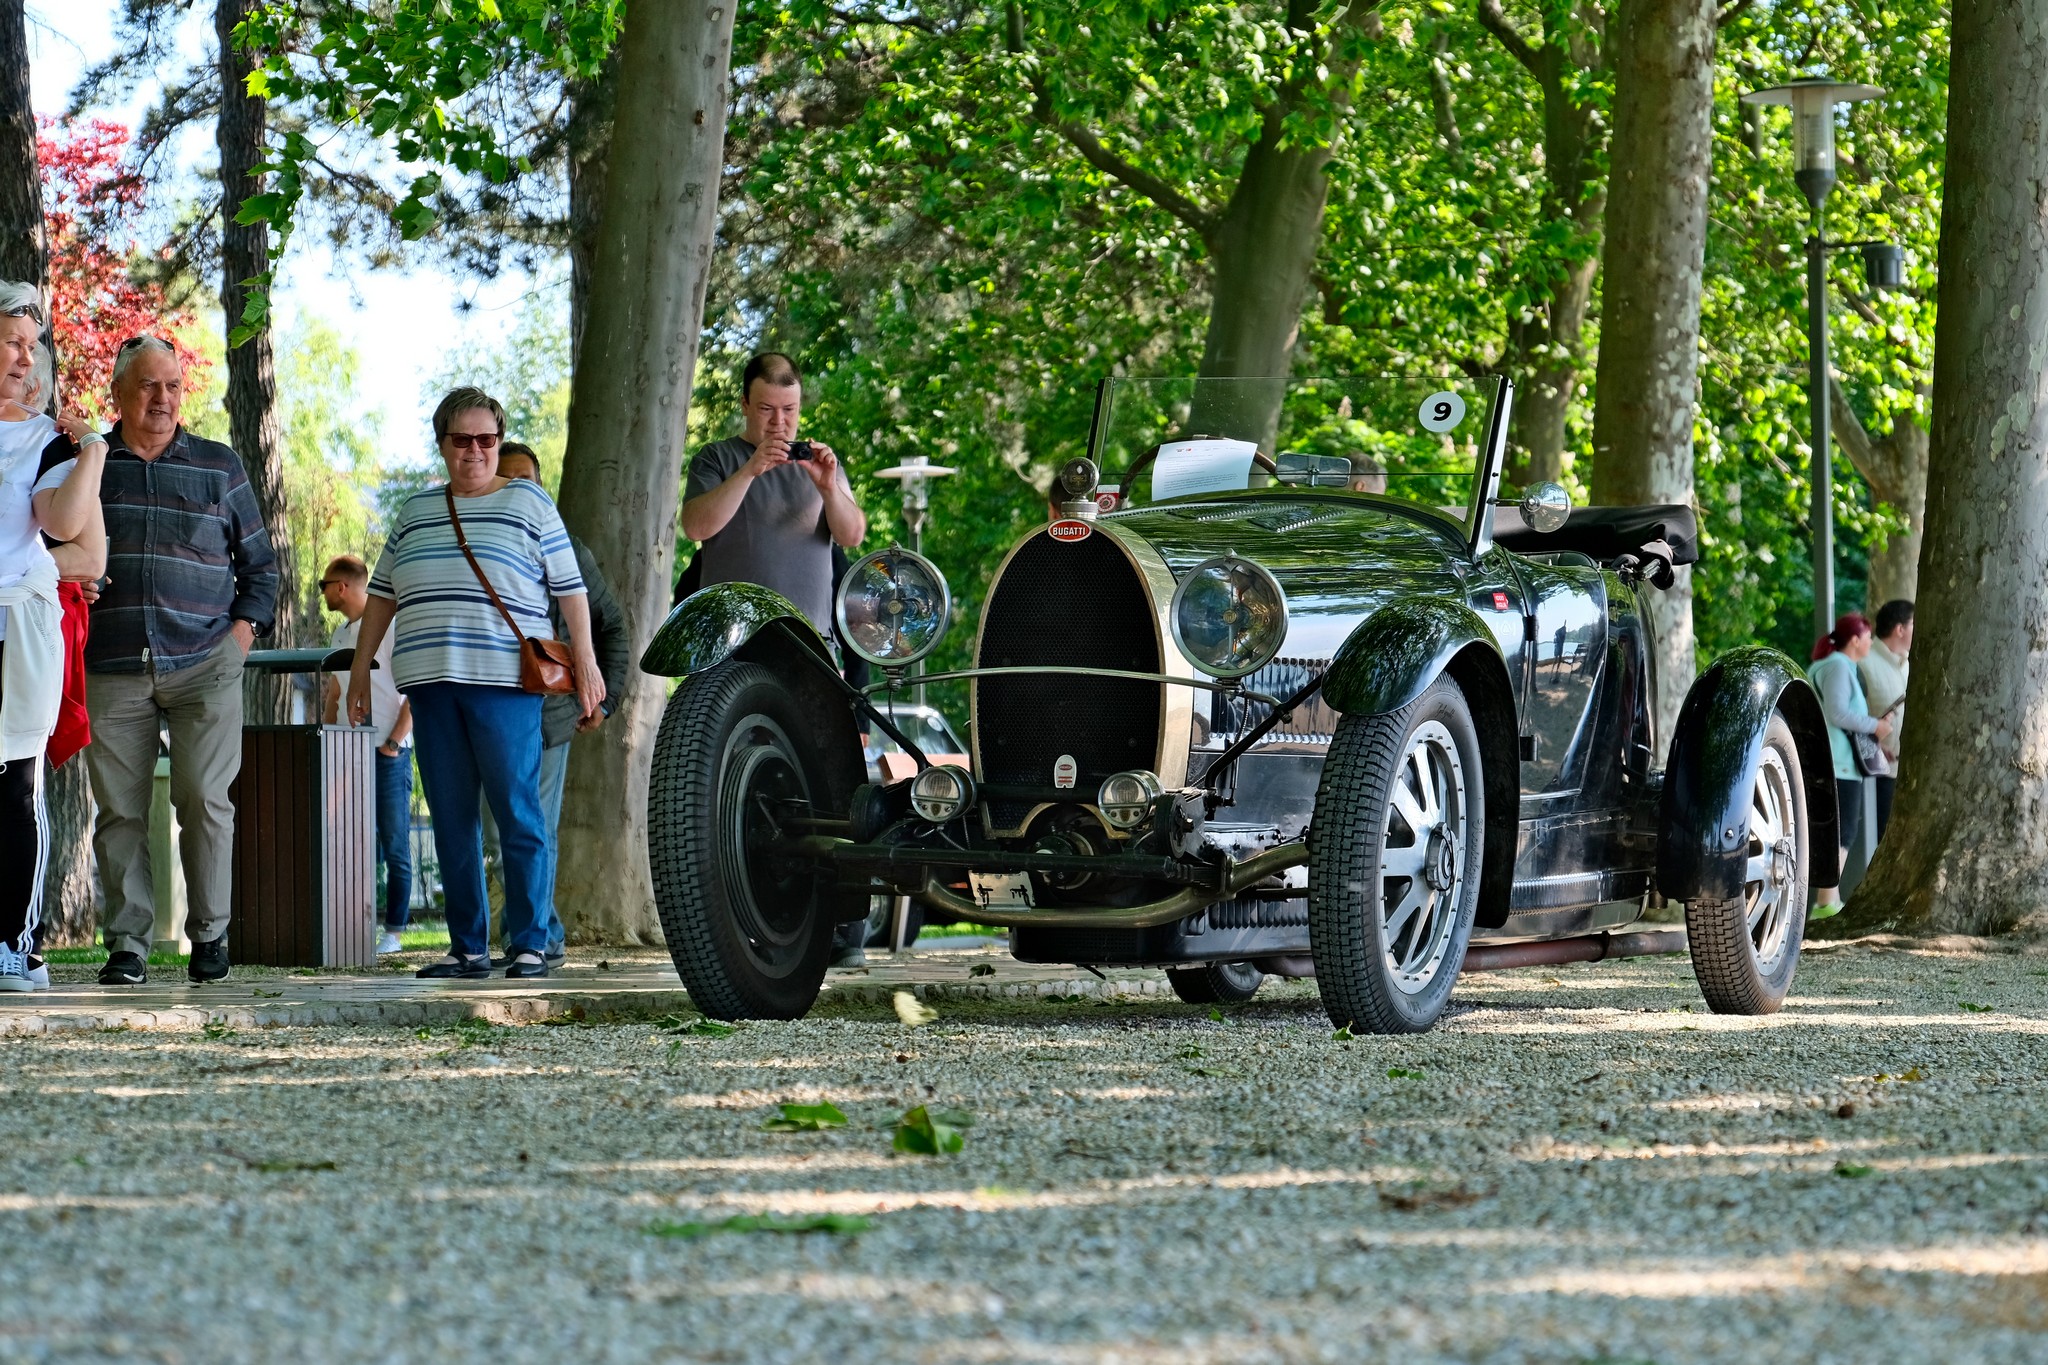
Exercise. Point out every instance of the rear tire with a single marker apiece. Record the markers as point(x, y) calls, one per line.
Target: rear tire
point(750, 934)
point(1216, 983)
point(1745, 949)
point(1395, 856)
point(882, 921)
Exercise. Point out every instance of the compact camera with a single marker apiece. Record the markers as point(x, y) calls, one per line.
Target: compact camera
point(800, 450)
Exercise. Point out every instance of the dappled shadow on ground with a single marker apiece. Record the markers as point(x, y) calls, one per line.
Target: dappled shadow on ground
point(1581, 1165)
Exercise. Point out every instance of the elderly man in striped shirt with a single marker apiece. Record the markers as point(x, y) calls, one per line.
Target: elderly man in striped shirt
point(194, 581)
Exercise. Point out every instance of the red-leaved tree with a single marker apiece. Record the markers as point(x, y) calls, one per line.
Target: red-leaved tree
point(93, 202)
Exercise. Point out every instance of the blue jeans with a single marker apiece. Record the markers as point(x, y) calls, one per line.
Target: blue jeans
point(554, 771)
point(473, 740)
point(394, 835)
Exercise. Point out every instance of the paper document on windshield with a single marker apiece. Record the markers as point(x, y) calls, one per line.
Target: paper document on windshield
point(1207, 466)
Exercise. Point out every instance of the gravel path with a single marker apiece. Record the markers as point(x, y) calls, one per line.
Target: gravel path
point(1580, 1166)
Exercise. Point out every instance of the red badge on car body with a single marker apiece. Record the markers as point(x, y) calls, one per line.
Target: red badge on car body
point(1069, 531)
point(1500, 601)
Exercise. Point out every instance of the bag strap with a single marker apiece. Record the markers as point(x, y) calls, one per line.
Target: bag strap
point(462, 543)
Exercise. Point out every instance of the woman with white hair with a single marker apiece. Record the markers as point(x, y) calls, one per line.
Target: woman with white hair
point(31, 626)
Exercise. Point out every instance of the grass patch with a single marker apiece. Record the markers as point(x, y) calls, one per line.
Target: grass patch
point(93, 957)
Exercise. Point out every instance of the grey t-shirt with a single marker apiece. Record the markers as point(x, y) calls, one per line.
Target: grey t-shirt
point(777, 538)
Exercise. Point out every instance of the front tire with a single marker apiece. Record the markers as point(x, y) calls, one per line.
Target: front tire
point(750, 933)
point(1216, 983)
point(1395, 856)
point(1745, 949)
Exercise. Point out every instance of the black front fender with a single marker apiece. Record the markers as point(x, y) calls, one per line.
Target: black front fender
point(1399, 650)
point(1703, 830)
point(710, 625)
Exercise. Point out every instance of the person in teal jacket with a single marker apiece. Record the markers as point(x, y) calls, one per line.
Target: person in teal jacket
point(1836, 678)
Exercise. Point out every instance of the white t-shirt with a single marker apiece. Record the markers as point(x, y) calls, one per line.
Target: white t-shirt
point(384, 698)
point(21, 544)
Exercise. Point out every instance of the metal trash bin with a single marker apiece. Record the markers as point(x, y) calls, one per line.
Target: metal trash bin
point(305, 866)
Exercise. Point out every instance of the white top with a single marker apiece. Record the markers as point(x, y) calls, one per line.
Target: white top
point(384, 698)
point(21, 544)
point(447, 629)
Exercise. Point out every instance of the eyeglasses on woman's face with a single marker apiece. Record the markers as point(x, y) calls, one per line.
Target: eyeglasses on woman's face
point(462, 440)
point(27, 310)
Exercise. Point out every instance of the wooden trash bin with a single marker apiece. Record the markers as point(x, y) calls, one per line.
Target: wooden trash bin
point(305, 869)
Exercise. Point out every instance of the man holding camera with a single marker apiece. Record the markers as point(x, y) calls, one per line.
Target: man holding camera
point(767, 507)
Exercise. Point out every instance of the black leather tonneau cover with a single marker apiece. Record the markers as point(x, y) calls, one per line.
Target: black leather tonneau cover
point(1605, 533)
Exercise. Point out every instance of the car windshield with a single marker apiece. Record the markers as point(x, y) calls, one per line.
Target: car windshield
point(1423, 439)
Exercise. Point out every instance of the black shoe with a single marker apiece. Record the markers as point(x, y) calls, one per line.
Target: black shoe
point(555, 957)
point(466, 968)
point(521, 970)
point(499, 964)
point(209, 961)
point(124, 969)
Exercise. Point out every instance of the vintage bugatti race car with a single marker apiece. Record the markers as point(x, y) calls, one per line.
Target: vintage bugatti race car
point(1264, 718)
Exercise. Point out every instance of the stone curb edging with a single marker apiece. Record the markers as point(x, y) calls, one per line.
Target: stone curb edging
point(511, 1009)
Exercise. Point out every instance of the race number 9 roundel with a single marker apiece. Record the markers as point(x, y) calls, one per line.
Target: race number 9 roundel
point(1441, 411)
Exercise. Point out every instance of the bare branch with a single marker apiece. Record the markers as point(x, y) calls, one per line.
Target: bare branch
point(1849, 433)
point(856, 17)
point(1730, 13)
point(1495, 21)
point(1441, 97)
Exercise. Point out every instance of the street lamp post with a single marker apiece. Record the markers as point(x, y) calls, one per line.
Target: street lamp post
point(916, 473)
point(1813, 169)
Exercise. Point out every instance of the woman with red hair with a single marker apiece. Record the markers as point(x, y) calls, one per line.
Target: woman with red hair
point(1840, 685)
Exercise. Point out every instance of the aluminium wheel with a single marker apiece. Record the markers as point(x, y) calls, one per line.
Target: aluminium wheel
point(1216, 983)
point(1745, 949)
point(750, 931)
point(1395, 853)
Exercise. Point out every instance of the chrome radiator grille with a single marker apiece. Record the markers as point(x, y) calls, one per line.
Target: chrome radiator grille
point(1221, 718)
point(1078, 605)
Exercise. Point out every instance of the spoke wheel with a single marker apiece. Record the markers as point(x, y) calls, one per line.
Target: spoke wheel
point(1394, 860)
point(1216, 983)
point(1745, 948)
point(750, 929)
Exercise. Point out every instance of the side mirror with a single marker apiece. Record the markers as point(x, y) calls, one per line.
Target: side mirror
point(1545, 507)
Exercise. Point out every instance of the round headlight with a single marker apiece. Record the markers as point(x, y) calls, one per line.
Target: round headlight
point(1127, 798)
point(1229, 616)
point(893, 607)
point(941, 792)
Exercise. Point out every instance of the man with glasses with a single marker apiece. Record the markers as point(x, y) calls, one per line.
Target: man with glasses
point(193, 582)
point(345, 588)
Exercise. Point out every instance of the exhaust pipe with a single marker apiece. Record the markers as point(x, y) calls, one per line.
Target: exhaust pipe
point(1490, 957)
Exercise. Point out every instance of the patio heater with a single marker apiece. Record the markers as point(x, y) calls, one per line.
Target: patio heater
point(1813, 169)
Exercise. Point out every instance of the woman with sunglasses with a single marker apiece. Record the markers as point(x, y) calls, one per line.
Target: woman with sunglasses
point(458, 661)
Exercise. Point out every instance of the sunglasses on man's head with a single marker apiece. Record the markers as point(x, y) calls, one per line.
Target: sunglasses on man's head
point(27, 310)
point(462, 440)
point(132, 342)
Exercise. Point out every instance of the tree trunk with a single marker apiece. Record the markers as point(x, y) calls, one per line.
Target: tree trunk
point(252, 373)
point(1895, 467)
point(589, 153)
point(1967, 850)
point(628, 422)
point(24, 245)
point(1662, 152)
point(1547, 346)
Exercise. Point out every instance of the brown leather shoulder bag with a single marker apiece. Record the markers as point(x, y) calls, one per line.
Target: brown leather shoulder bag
point(543, 664)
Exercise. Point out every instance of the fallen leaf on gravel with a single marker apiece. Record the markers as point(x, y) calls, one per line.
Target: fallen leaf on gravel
point(267, 995)
point(842, 1224)
point(1973, 1007)
point(1342, 1034)
point(1403, 1073)
point(912, 1011)
point(708, 1028)
point(981, 969)
point(1420, 1200)
point(921, 1134)
point(1216, 1015)
point(1849, 1170)
point(953, 1118)
point(806, 1118)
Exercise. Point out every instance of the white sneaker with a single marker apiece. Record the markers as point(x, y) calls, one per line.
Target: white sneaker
point(39, 976)
point(13, 970)
point(388, 943)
